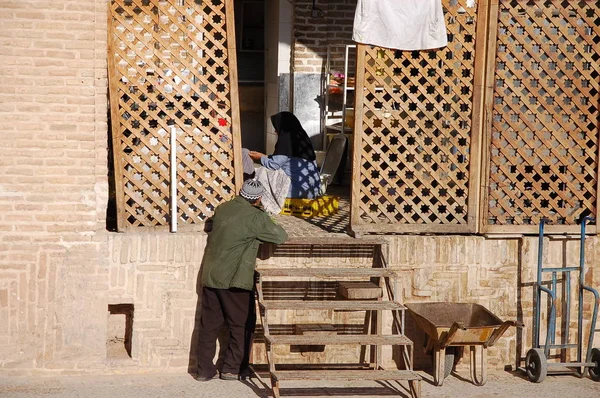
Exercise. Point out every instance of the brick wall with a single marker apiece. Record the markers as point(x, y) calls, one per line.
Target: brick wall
point(52, 181)
point(313, 35)
point(158, 274)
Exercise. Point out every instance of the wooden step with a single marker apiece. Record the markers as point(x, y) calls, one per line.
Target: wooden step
point(363, 339)
point(327, 272)
point(342, 305)
point(359, 290)
point(345, 375)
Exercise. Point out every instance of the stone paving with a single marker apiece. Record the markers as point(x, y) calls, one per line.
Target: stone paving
point(182, 385)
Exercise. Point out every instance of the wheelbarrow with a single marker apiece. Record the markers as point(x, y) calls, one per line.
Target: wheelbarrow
point(449, 326)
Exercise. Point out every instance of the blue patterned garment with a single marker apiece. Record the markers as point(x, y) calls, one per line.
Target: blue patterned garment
point(303, 173)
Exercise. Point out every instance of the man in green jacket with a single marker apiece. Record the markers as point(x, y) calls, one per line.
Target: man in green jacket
point(239, 226)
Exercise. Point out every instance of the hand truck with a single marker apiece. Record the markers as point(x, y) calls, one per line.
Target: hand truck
point(536, 361)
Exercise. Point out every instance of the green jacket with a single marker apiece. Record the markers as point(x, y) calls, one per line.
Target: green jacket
point(230, 255)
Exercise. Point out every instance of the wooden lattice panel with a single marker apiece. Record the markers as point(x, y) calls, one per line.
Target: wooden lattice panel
point(544, 133)
point(414, 133)
point(170, 68)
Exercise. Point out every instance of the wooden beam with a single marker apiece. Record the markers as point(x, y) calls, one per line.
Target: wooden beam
point(234, 95)
point(359, 92)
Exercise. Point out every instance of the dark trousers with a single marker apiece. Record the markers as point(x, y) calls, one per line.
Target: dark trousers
point(235, 307)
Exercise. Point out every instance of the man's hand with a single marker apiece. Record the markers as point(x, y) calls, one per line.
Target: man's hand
point(255, 155)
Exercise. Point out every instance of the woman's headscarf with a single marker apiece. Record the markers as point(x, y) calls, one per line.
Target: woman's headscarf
point(292, 140)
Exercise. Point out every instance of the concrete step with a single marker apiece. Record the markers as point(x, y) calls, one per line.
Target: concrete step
point(345, 375)
point(333, 241)
point(361, 290)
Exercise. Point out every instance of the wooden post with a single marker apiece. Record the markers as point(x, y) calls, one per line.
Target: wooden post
point(115, 127)
point(488, 105)
point(477, 184)
point(234, 98)
point(359, 92)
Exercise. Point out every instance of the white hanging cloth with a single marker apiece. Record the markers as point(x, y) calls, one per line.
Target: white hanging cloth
point(400, 24)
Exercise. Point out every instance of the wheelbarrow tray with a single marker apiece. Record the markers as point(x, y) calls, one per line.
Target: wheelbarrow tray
point(473, 323)
point(458, 324)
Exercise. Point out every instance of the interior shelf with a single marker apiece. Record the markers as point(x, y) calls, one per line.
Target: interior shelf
point(339, 97)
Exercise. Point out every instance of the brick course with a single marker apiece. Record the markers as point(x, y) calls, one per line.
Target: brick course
point(313, 35)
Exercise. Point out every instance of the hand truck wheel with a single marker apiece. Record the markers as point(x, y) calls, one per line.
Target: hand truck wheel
point(595, 371)
point(536, 366)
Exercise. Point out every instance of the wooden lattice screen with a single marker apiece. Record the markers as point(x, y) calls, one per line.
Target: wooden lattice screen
point(172, 68)
point(416, 147)
point(544, 129)
point(488, 135)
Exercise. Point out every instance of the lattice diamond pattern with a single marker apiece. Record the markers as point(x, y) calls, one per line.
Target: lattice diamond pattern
point(416, 141)
point(545, 113)
point(171, 71)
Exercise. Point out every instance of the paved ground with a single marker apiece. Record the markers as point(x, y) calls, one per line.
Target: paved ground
point(181, 385)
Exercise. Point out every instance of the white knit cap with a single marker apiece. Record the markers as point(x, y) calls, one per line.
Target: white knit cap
point(252, 190)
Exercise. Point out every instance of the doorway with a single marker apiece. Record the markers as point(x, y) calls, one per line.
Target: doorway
point(250, 45)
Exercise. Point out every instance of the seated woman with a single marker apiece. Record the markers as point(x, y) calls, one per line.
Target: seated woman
point(293, 154)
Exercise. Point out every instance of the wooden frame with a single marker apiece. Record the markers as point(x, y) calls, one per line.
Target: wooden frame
point(145, 57)
point(577, 173)
point(172, 68)
point(429, 221)
point(544, 44)
point(371, 336)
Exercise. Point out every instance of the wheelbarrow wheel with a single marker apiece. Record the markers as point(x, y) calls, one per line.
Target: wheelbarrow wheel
point(595, 371)
point(536, 366)
point(451, 354)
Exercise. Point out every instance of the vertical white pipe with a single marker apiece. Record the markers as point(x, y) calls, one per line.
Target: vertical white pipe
point(345, 91)
point(173, 145)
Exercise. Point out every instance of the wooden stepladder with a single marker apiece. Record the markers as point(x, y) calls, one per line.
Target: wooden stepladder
point(358, 289)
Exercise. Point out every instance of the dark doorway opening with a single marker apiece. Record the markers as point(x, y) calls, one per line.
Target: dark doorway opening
point(119, 331)
point(250, 45)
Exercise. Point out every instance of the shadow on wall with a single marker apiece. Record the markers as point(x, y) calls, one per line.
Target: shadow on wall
point(422, 361)
point(223, 337)
point(111, 207)
point(119, 331)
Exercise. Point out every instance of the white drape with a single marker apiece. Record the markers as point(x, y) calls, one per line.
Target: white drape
point(400, 24)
